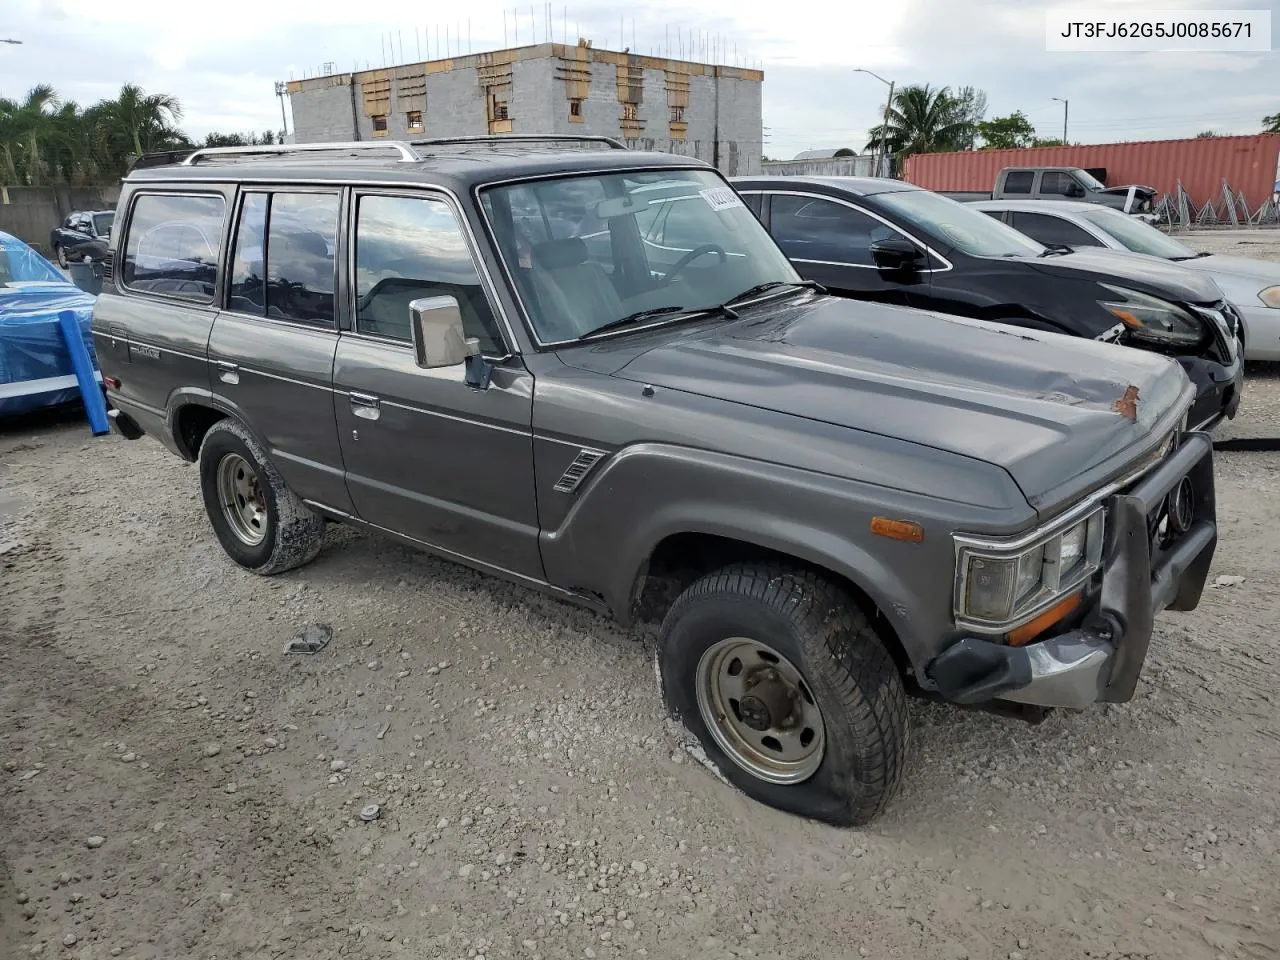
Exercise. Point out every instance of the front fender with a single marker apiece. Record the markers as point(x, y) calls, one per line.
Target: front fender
point(648, 492)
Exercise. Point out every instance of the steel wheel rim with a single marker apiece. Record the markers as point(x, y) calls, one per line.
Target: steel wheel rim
point(240, 496)
point(742, 684)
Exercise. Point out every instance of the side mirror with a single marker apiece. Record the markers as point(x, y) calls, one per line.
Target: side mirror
point(896, 253)
point(1075, 190)
point(435, 324)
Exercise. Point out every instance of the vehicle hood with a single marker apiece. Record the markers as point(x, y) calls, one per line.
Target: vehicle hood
point(1040, 405)
point(1163, 278)
point(1244, 268)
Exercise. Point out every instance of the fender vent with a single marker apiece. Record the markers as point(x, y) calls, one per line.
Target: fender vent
point(107, 266)
point(577, 471)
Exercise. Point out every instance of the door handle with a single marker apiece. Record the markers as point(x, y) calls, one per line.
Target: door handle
point(365, 406)
point(228, 372)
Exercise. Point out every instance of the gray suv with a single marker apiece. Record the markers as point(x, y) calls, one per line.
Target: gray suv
point(480, 348)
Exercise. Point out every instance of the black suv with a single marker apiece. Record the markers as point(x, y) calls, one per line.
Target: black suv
point(893, 242)
point(477, 349)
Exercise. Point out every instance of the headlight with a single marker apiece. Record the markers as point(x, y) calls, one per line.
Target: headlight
point(999, 584)
point(1270, 296)
point(1152, 320)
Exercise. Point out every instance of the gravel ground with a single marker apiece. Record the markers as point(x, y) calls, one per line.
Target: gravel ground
point(173, 784)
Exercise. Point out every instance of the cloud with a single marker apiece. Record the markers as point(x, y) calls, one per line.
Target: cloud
point(223, 69)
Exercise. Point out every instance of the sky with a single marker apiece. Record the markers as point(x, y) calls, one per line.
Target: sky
point(223, 68)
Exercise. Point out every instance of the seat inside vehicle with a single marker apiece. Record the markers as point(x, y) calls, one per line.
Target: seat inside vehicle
point(575, 292)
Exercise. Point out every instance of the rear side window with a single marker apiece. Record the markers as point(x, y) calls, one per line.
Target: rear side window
point(173, 244)
point(1052, 231)
point(283, 263)
point(1019, 181)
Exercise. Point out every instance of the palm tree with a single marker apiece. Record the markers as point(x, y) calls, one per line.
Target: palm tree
point(923, 119)
point(24, 127)
point(147, 122)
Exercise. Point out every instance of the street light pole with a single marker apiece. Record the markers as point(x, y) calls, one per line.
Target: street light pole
point(10, 41)
point(1065, 106)
point(883, 152)
point(281, 88)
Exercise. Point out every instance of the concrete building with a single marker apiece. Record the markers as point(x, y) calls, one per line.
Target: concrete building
point(697, 110)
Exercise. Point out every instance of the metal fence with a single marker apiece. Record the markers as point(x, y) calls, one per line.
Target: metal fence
point(1176, 210)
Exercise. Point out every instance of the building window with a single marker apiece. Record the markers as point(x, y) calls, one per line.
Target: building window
point(413, 120)
point(575, 109)
point(677, 114)
point(500, 110)
point(379, 124)
point(630, 111)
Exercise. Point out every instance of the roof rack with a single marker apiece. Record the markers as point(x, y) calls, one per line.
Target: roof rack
point(610, 142)
point(406, 152)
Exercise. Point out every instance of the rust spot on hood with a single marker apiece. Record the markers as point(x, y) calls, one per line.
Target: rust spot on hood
point(1127, 405)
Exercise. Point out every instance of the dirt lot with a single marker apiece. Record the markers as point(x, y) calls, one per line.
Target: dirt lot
point(172, 784)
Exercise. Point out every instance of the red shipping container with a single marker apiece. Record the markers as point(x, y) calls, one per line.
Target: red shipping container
point(1251, 164)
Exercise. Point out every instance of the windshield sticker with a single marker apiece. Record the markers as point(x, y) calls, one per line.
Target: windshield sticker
point(721, 198)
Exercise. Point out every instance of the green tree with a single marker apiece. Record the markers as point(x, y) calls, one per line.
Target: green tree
point(25, 125)
point(215, 139)
point(1271, 124)
point(1048, 142)
point(1206, 134)
point(140, 123)
point(1002, 133)
point(924, 119)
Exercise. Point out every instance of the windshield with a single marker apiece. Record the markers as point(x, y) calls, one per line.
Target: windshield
point(1089, 180)
point(1138, 236)
point(958, 225)
point(102, 224)
point(587, 251)
point(20, 264)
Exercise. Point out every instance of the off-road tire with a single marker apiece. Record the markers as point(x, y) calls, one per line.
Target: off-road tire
point(294, 534)
point(857, 686)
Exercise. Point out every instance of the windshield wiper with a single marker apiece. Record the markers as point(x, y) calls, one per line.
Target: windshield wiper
point(771, 285)
point(1192, 256)
point(631, 318)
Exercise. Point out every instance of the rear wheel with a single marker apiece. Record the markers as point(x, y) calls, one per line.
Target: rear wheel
point(60, 252)
point(790, 690)
point(259, 521)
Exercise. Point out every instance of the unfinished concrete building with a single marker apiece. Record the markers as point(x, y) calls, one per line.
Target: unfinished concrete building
point(697, 110)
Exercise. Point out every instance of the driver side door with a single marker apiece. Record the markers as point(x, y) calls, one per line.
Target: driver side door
point(426, 456)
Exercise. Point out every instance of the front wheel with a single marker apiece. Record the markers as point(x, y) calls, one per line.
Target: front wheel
point(60, 252)
point(262, 524)
point(790, 690)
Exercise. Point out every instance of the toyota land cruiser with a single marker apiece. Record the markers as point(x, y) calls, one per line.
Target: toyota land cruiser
point(473, 346)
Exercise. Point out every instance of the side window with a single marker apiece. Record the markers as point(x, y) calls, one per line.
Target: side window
point(172, 246)
point(1019, 181)
point(811, 229)
point(995, 215)
point(412, 247)
point(678, 224)
point(1052, 231)
point(302, 232)
point(754, 202)
point(1057, 183)
point(248, 293)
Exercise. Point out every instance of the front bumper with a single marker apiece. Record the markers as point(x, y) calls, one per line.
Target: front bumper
point(1218, 388)
point(1142, 574)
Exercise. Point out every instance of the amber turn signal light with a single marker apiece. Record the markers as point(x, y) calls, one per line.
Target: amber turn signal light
point(1033, 628)
point(897, 529)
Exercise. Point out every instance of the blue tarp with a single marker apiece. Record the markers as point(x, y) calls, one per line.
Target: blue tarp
point(32, 294)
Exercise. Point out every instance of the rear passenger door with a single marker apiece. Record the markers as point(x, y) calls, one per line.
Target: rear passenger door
point(830, 241)
point(428, 457)
point(152, 330)
point(272, 348)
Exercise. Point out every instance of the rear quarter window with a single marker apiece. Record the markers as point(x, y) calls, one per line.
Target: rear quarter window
point(173, 244)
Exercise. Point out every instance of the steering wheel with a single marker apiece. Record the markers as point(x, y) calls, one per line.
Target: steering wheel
point(693, 255)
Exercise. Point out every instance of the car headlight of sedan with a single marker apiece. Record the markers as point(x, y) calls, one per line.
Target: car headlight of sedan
point(1270, 296)
point(1001, 583)
point(1152, 320)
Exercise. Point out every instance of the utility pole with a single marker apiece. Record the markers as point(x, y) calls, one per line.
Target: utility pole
point(281, 89)
point(882, 154)
point(1065, 106)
